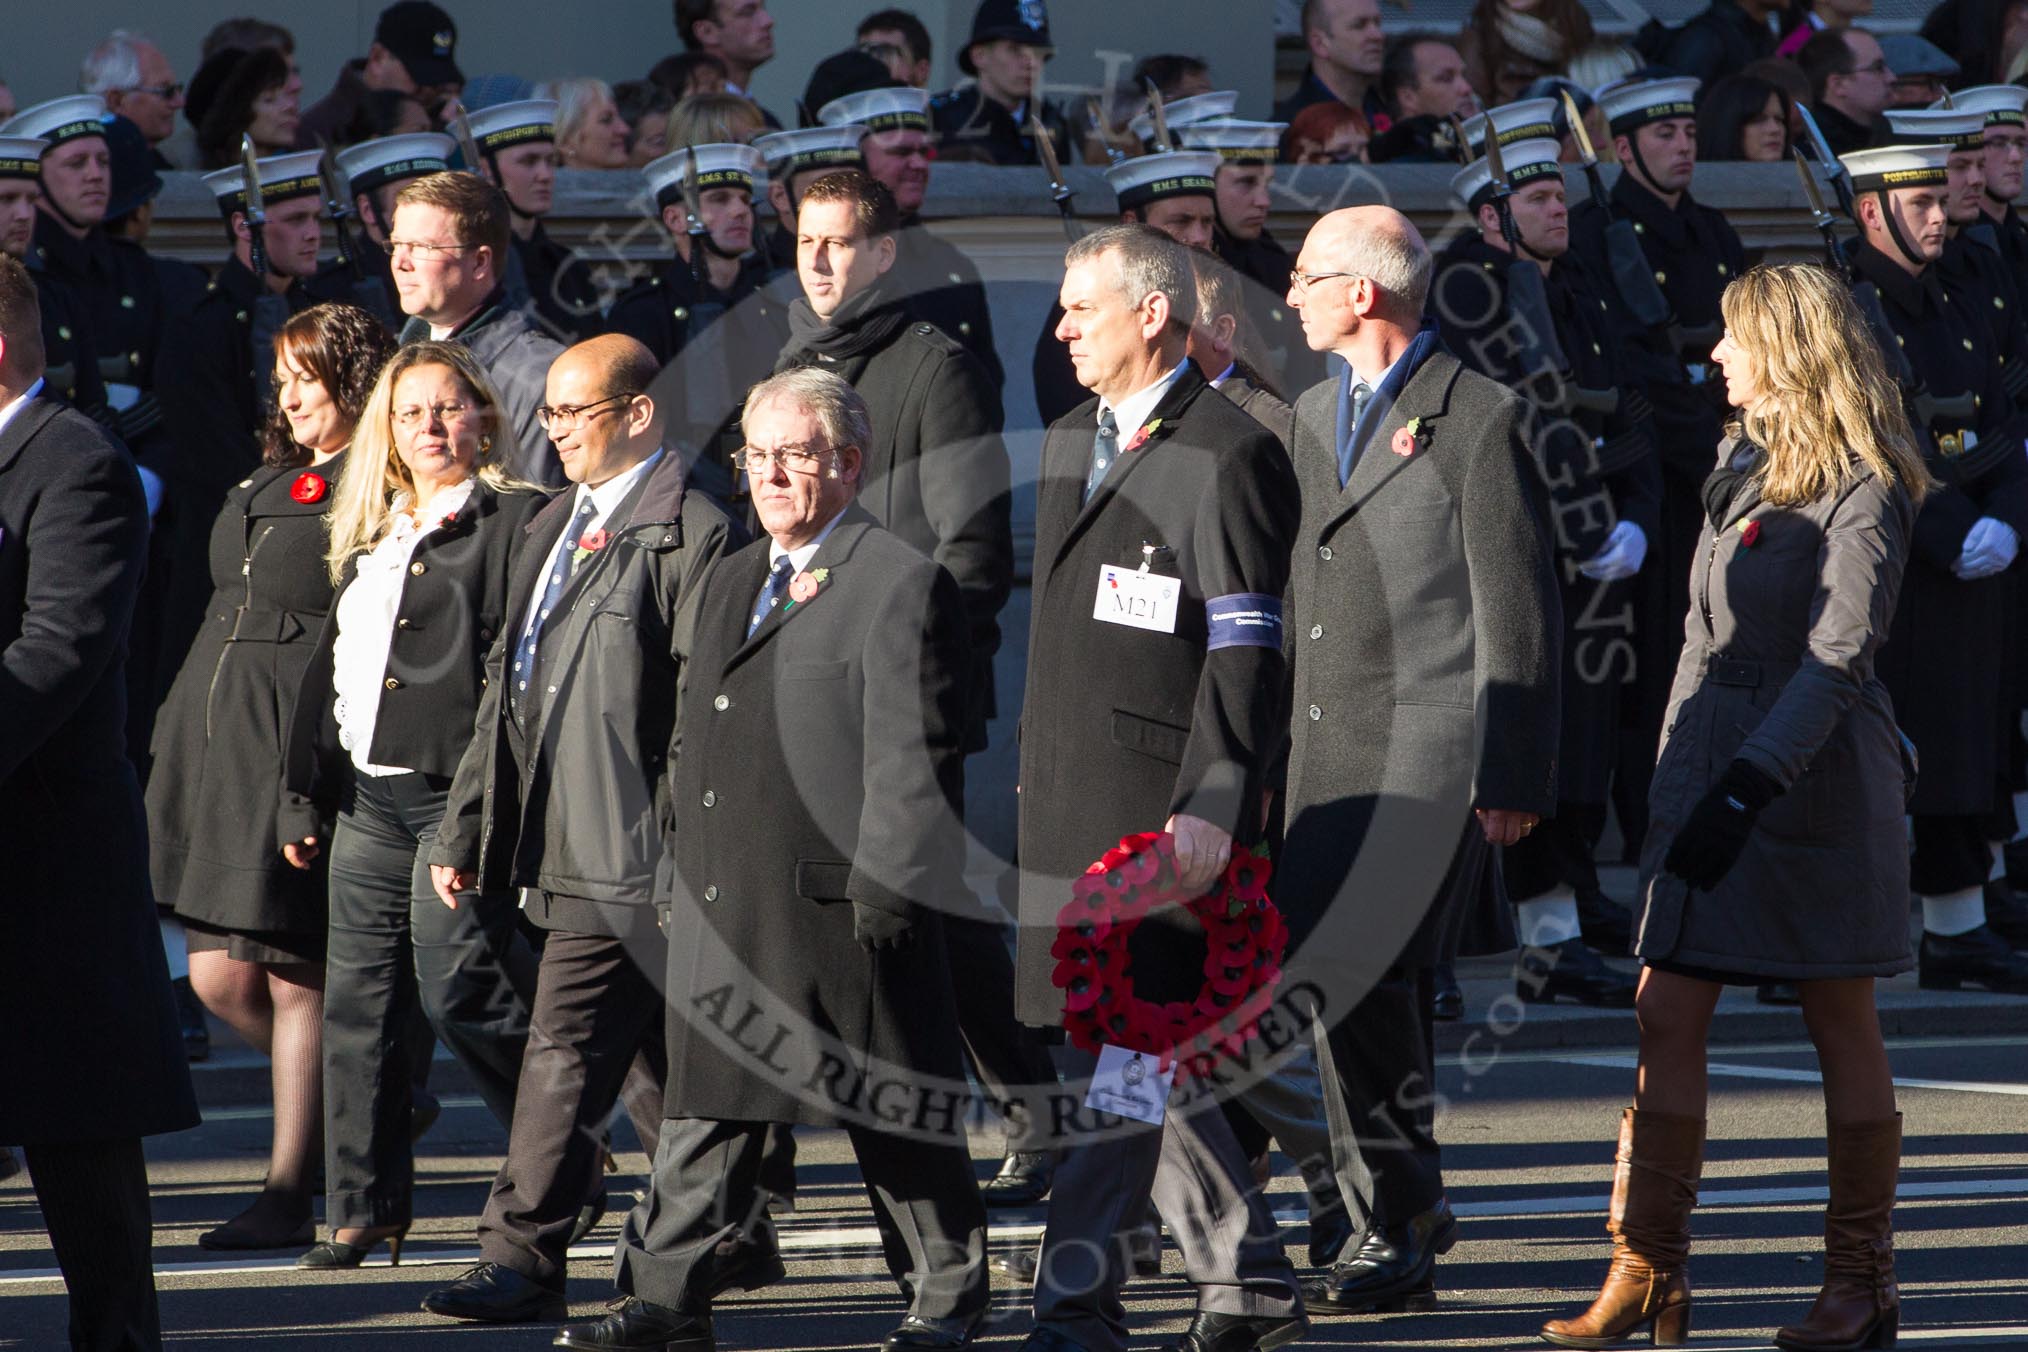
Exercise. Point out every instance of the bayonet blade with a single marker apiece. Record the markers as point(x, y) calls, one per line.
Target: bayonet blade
point(1818, 145)
point(468, 145)
point(336, 200)
point(1159, 117)
point(250, 181)
point(1045, 150)
point(1579, 130)
point(1496, 162)
point(1810, 189)
point(693, 201)
point(1108, 133)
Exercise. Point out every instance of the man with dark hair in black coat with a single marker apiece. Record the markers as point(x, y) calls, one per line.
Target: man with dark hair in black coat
point(80, 966)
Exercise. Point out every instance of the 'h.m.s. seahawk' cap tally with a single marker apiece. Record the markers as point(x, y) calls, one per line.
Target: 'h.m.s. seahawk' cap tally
point(59, 120)
point(1523, 120)
point(512, 124)
point(791, 152)
point(282, 177)
point(21, 156)
point(372, 165)
point(721, 164)
point(1525, 161)
point(1234, 140)
point(901, 108)
point(1150, 178)
point(1888, 167)
point(1629, 107)
point(1958, 128)
point(1183, 112)
point(1997, 103)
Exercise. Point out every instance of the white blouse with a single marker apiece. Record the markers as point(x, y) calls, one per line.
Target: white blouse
point(366, 615)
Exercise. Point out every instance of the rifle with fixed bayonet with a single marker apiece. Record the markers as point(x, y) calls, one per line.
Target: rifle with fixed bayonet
point(270, 311)
point(1527, 298)
point(1059, 191)
point(367, 289)
point(1632, 278)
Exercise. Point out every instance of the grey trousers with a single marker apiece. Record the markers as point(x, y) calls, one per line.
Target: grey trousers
point(1200, 1182)
point(706, 1190)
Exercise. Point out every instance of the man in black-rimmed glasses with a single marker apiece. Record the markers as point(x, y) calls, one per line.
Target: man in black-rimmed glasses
point(548, 799)
point(448, 242)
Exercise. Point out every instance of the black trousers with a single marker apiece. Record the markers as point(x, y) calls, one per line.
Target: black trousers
point(1950, 854)
point(94, 1199)
point(392, 944)
point(1008, 1058)
point(1557, 853)
point(1380, 1058)
point(597, 1017)
point(707, 1190)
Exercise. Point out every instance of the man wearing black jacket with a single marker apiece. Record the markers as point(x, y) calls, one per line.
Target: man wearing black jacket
point(546, 799)
point(1722, 40)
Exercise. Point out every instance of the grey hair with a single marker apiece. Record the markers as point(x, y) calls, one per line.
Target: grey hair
point(115, 64)
point(1398, 263)
point(1144, 261)
point(829, 399)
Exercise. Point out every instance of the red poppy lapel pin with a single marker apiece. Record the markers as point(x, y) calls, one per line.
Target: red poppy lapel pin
point(1749, 534)
point(1409, 438)
point(309, 487)
point(805, 586)
point(1143, 436)
point(590, 543)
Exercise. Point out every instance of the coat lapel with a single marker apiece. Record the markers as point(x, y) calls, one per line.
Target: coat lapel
point(1168, 412)
point(25, 424)
point(1426, 396)
point(836, 547)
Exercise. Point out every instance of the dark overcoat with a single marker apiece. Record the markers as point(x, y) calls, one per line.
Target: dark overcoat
point(93, 1051)
point(936, 473)
point(220, 735)
point(1945, 661)
point(943, 287)
point(452, 608)
point(571, 796)
point(1778, 670)
point(821, 771)
point(1426, 671)
point(1123, 727)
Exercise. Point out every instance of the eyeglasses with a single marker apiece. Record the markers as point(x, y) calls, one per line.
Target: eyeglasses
point(1300, 280)
point(794, 459)
point(397, 247)
point(1872, 68)
point(164, 92)
point(422, 415)
point(567, 416)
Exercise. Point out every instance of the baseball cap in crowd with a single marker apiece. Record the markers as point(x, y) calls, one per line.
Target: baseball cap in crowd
point(423, 38)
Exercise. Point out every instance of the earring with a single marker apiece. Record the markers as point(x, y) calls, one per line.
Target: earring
point(485, 445)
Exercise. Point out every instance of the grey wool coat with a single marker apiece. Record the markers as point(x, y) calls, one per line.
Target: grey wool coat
point(1424, 634)
point(1778, 670)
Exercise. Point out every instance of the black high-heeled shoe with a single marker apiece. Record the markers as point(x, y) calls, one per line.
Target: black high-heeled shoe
point(336, 1253)
point(276, 1220)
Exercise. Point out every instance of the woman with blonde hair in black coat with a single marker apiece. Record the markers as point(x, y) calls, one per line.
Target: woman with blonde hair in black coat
point(1776, 850)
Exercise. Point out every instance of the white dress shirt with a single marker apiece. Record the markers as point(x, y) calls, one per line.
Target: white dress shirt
point(799, 557)
point(603, 500)
point(1133, 410)
point(366, 615)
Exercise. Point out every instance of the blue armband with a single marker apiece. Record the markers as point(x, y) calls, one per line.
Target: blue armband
point(1243, 620)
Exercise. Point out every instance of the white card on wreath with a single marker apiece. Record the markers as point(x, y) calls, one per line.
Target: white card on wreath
point(1128, 1083)
point(1141, 600)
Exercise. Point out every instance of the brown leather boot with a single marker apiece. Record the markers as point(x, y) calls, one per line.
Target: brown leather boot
point(1860, 1306)
point(1648, 1285)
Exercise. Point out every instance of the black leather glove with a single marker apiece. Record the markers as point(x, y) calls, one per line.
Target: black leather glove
point(876, 929)
point(1710, 842)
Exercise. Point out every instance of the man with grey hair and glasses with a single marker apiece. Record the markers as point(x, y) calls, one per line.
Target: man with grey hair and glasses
point(1160, 715)
point(137, 82)
point(818, 838)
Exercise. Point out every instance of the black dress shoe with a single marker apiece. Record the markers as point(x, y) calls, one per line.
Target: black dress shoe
point(1447, 998)
point(493, 1293)
point(2007, 913)
point(1778, 993)
point(1024, 1179)
point(1978, 957)
point(1239, 1333)
point(744, 1265)
point(1392, 1269)
point(919, 1333)
point(1603, 923)
point(639, 1324)
point(1571, 971)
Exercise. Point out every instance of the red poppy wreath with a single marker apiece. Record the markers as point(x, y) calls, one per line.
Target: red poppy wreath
point(1244, 939)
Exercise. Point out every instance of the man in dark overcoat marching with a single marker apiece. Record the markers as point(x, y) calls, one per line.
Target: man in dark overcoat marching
point(1425, 709)
point(83, 983)
point(819, 808)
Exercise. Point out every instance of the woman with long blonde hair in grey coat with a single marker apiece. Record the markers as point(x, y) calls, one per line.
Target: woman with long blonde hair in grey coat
point(1776, 850)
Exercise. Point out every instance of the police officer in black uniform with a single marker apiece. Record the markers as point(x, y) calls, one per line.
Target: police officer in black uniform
point(942, 285)
point(218, 366)
point(989, 120)
point(1595, 444)
point(373, 172)
point(1945, 661)
point(717, 283)
point(1691, 253)
point(517, 151)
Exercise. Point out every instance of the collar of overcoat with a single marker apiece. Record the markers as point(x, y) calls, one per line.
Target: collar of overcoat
point(24, 425)
point(732, 603)
point(1067, 457)
point(1426, 396)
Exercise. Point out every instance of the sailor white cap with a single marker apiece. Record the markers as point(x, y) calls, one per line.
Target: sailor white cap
point(1888, 167)
point(1958, 128)
point(1519, 121)
point(1525, 161)
point(511, 124)
point(791, 152)
point(1183, 112)
point(1632, 105)
point(21, 156)
point(59, 120)
point(374, 164)
point(896, 109)
point(1995, 102)
point(1174, 173)
point(282, 177)
point(1233, 139)
point(718, 164)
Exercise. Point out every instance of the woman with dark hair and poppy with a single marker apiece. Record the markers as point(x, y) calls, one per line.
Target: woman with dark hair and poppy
point(256, 926)
point(1743, 117)
point(237, 91)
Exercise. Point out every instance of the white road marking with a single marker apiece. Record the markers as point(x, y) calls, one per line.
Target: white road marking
point(1736, 1072)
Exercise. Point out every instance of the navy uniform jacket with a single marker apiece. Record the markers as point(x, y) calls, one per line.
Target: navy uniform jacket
point(560, 284)
point(943, 288)
point(115, 299)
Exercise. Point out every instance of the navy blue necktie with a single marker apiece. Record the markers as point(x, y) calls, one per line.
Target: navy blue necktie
point(1348, 454)
point(771, 592)
point(560, 568)
point(1105, 448)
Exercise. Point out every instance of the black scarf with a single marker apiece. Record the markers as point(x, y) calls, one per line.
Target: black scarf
point(864, 323)
point(1731, 478)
